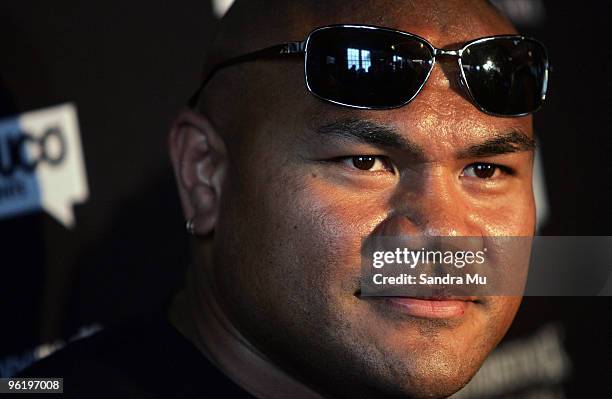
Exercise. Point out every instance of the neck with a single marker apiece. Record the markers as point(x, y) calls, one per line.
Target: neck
point(199, 316)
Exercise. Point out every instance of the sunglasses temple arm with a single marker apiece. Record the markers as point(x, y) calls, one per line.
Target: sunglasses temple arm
point(285, 48)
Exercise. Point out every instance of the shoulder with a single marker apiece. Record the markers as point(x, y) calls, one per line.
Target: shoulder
point(145, 359)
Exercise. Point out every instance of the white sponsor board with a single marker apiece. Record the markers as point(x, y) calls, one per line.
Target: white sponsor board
point(41, 164)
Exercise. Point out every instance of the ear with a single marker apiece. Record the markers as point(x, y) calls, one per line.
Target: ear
point(198, 156)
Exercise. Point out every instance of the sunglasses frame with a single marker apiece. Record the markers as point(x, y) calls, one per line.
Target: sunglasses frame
point(300, 47)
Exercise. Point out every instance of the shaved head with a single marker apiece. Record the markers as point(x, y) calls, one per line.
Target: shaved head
point(240, 31)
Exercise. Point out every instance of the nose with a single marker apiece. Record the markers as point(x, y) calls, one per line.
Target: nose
point(432, 205)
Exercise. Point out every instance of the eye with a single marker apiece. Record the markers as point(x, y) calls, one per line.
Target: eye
point(484, 170)
point(369, 163)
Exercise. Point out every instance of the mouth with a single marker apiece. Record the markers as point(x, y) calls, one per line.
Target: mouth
point(425, 307)
point(431, 307)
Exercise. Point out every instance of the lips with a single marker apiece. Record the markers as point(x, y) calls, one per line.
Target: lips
point(430, 307)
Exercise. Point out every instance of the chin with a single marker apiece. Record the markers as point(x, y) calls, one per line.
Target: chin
point(414, 358)
point(401, 366)
point(428, 373)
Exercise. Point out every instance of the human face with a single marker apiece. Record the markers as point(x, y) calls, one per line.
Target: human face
point(296, 205)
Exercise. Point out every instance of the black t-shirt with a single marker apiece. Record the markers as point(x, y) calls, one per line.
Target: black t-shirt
point(148, 359)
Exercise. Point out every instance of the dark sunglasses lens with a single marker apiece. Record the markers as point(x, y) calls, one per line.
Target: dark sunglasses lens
point(366, 67)
point(506, 76)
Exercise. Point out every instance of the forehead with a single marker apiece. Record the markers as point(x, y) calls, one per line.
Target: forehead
point(439, 113)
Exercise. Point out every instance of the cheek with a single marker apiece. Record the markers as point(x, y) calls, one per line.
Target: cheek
point(503, 310)
point(329, 224)
point(288, 232)
point(512, 215)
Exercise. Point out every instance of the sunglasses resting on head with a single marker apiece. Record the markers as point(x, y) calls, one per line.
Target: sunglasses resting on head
point(369, 67)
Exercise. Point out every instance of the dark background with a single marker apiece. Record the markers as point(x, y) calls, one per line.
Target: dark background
point(130, 66)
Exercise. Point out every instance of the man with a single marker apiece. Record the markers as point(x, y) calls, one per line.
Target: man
point(280, 186)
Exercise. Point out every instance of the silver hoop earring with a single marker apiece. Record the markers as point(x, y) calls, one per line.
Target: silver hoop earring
point(190, 226)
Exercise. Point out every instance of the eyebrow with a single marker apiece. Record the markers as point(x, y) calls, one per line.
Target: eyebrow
point(505, 143)
point(369, 132)
point(377, 134)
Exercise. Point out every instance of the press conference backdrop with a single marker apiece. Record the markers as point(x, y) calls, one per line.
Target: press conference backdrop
point(125, 69)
